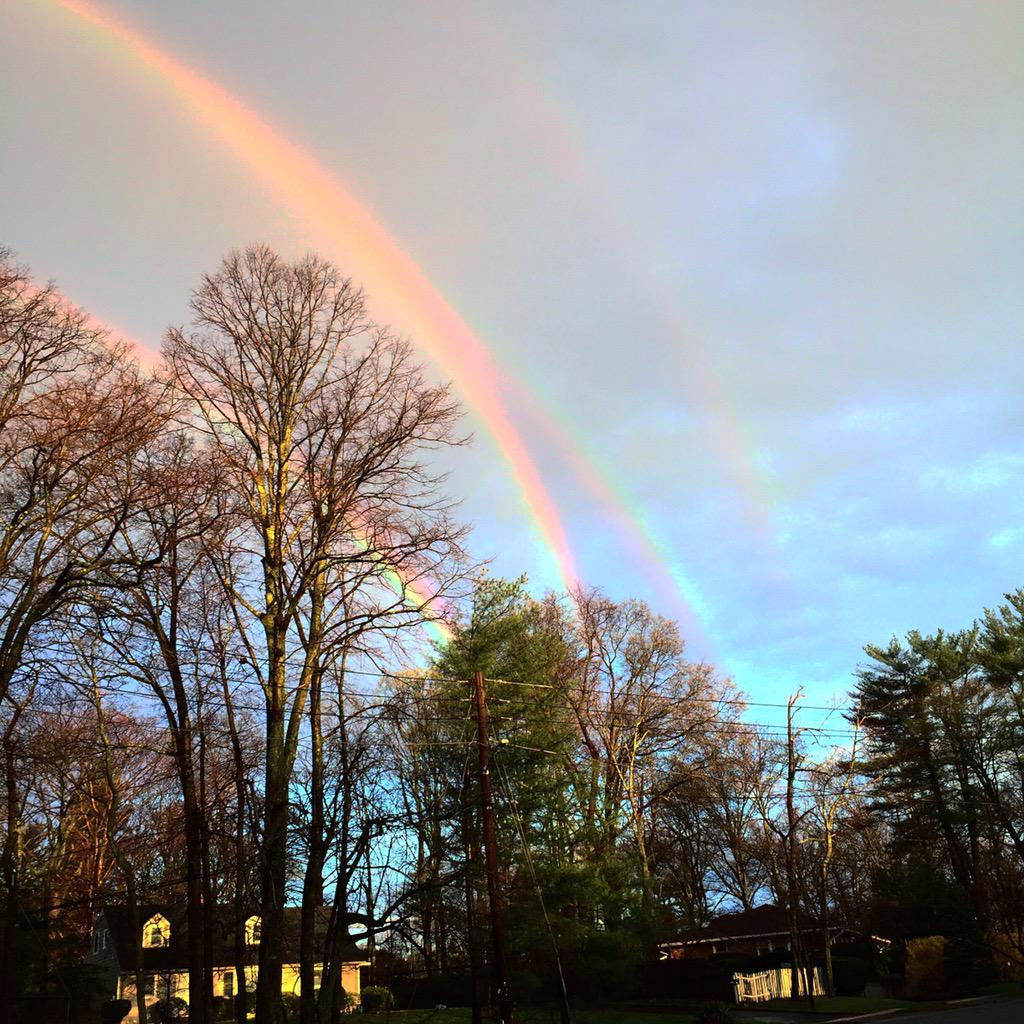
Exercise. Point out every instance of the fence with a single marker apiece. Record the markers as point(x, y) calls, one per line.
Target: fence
point(777, 984)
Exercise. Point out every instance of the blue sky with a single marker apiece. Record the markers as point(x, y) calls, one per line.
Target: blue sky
point(764, 258)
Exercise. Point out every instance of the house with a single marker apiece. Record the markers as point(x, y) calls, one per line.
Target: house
point(749, 933)
point(165, 953)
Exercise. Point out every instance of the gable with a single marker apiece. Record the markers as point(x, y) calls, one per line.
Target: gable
point(174, 954)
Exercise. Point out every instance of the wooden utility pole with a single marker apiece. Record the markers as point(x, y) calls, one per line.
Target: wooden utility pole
point(505, 1010)
point(801, 966)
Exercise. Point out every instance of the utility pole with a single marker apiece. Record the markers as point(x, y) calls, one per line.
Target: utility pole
point(505, 1011)
point(476, 967)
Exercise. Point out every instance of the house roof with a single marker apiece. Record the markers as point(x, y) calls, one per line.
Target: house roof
point(761, 922)
point(174, 956)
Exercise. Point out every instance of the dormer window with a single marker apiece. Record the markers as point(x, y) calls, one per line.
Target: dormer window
point(252, 931)
point(156, 932)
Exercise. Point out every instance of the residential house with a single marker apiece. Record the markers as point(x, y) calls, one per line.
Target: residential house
point(749, 933)
point(165, 953)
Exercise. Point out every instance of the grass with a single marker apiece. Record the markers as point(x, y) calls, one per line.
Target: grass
point(836, 1004)
point(1014, 989)
point(663, 1012)
point(529, 1015)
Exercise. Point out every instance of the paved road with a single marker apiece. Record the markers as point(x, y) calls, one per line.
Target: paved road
point(1007, 1012)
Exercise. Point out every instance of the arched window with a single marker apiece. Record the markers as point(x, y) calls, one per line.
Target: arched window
point(156, 932)
point(252, 931)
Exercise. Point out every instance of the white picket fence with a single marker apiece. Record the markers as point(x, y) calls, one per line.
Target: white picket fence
point(777, 984)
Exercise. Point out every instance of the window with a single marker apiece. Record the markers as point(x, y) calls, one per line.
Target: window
point(252, 931)
point(156, 932)
point(96, 947)
point(228, 986)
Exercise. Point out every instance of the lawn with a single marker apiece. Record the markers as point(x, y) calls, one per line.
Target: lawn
point(836, 1004)
point(529, 1015)
point(1013, 989)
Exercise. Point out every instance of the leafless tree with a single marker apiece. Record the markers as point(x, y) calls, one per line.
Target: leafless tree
point(321, 422)
point(74, 414)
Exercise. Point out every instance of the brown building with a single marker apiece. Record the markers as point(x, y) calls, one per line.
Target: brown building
point(748, 933)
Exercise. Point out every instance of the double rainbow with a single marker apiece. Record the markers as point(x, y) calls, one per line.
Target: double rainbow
point(397, 284)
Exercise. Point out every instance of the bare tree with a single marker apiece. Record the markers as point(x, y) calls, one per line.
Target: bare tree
point(153, 624)
point(74, 414)
point(321, 421)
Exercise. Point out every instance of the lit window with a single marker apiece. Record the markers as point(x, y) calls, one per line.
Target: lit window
point(252, 931)
point(156, 932)
point(229, 984)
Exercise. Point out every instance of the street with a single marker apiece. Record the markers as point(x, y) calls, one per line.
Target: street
point(1005, 1012)
point(997, 1012)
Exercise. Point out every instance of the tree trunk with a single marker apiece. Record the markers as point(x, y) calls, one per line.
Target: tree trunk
point(240, 907)
point(274, 868)
point(10, 878)
point(830, 985)
point(313, 879)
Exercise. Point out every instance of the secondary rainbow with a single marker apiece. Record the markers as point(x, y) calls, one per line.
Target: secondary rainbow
point(396, 283)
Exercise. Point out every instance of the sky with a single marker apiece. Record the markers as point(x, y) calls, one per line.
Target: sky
point(732, 292)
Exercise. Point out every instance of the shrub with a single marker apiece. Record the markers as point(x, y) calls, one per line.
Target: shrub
point(968, 965)
point(173, 1008)
point(115, 1010)
point(715, 1013)
point(1004, 954)
point(925, 975)
point(290, 1006)
point(376, 999)
point(850, 974)
point(223, 1008)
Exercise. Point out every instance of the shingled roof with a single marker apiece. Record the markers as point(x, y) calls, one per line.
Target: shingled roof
point(174, 956)
point(761, 922)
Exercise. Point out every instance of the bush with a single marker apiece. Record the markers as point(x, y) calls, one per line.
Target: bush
point(968, 965)
point(223, 1008)
point(925, 975)
point(115, 1010)
point(850, 974)
point(290, 1006)
point(715, 1013)
point(376, 999)
point(173, 1009)
point(1004, 958)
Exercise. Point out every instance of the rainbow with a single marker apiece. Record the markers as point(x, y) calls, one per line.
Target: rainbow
point(393, 280)
point(391, 277)
point(412, 594)
point(681, 592)
point(727, 429)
